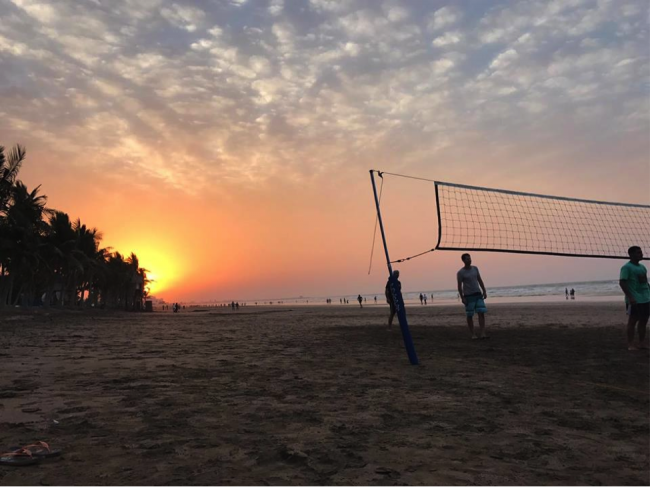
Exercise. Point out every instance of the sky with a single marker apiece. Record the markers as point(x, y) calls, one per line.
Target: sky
point(228, 143)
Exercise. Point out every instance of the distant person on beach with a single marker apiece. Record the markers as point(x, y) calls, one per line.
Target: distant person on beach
point(472, 293)
point(375, 299)
point(572, 293)
point(360, 299)
point(421, 299)
point(566, 293)
point(389, 298)
point(634, 283)
point(425, 298)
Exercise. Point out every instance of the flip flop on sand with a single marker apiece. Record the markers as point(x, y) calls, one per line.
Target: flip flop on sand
point(39, 450)
point(18, 458)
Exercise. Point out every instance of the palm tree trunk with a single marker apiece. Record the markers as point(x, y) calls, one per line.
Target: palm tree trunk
point(9, 291)
point(48, 295)
point(18, 295)
point(4, 286)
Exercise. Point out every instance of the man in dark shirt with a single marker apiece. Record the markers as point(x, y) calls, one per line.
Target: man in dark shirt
point(389, 298)
point(634, 283)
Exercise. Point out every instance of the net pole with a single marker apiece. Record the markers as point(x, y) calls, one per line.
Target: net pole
point(397, 295)
point(435, 185)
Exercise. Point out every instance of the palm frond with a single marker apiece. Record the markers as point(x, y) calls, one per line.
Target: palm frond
point(10, 164)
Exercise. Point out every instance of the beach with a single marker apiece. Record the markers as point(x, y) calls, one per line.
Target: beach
point(282, 395)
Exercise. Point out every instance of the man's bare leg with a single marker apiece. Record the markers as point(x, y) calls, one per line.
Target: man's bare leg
point(390, 319)
point(631, 322)
point(643, 323)
point(470, 324)
point(481, 325)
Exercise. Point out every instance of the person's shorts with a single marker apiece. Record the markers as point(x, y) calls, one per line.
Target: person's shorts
point(640, 311)
point(474, 304)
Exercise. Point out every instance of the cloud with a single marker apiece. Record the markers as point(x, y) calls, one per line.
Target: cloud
point(40, 11)
point(444, 17)
point(447, 39)
point(276, 7)
point(249, 91)
point(184, 17)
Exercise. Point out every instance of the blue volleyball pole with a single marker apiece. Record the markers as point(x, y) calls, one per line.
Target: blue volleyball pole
point(397, 295)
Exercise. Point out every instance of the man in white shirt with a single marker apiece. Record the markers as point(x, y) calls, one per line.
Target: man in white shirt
point(472, 293)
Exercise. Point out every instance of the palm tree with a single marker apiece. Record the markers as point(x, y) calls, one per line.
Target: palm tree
point(100, 277)
point(42, 251)
point(60, 242)
point(21, 248)
point(9, 167)
point(137, 283)
point(87, 245)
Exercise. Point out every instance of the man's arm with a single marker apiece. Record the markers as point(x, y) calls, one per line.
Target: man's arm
point(480, 283)
point(460, 289)
point(626, 290)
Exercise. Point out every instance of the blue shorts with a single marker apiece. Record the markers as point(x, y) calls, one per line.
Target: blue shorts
point(474, 304)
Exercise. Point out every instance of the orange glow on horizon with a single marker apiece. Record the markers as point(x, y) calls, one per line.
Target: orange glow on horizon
point(161, 270)
point(285, 241)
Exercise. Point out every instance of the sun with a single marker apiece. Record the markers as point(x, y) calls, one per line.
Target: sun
point(159, 279)
point(161, 270)
point(153, 285)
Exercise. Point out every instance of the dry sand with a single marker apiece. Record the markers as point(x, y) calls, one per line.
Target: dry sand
point(325, 395)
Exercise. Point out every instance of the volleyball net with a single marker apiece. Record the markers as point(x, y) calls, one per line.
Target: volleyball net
point(496, 220)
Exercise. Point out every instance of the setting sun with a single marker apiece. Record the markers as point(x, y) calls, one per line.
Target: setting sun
point(161, 271)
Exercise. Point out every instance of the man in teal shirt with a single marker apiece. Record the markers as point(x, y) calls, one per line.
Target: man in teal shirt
point(634, 283)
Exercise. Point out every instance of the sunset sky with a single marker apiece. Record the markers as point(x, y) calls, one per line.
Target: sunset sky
point(228, 143)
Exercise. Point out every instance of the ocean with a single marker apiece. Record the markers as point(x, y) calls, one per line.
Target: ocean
point(584, 291)
point(587, 290)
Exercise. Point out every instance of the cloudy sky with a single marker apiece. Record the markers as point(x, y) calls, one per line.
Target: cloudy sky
point(228, 143)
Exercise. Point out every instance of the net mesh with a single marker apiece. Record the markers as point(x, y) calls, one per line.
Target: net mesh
point(472, 218)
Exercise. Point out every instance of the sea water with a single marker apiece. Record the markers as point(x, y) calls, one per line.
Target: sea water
point(584, 291)
point(587, 290)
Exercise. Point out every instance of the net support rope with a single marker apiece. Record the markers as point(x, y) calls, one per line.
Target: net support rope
point(374, 234)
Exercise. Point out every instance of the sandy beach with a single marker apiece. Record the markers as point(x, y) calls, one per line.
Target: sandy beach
point(325, 395)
